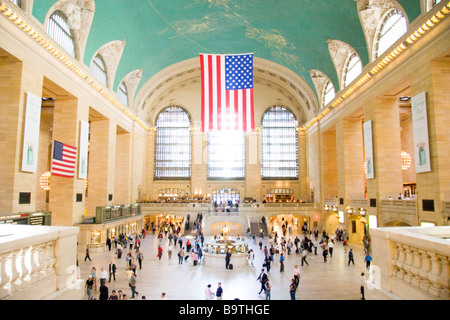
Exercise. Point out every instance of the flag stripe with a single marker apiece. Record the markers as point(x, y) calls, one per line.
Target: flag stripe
point(203, 93)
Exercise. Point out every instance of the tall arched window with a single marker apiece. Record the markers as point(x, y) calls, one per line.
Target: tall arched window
point(353, 68)
point(279, 148)
point(328, 93)
point(59, 30)
point(98, 69)
point(392, 28)
point(173, 145)
point(226, 155)
point(122, 93)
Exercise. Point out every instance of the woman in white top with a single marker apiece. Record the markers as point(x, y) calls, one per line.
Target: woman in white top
point(209, 294)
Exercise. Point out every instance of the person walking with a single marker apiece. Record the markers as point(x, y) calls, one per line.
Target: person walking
point(330, 248)
point(368, 260)
point(103, 276)
point(87, 256)
point(268, 287)
point(132, 285)
point(181, 256)
point(94, 277)
point(281, 263)
point(160, 252)
point(363, 281)
point(219, 291)
point(140, 258)
point(227, 259)
point(251, 258)
point(296, 275)
point(112, 271)
point(292, 289)
point(304, 257)
point(89, 285)
point(350, 257)
point(169, 251)
point(262, 279)
point(103, 292)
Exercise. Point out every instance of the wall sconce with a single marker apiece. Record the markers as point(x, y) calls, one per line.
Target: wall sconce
point(362, 211)
point(348, 209)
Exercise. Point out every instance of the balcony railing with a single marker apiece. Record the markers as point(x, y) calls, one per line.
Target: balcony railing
point(414, 261)
point(38, 262)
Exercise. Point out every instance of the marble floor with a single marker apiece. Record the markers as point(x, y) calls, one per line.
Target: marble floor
point(331, 280)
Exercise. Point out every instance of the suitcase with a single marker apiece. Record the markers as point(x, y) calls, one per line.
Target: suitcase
point(230, 266)
point(195, 262)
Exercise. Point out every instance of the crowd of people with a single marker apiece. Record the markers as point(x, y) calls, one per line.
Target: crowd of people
point(278, 249)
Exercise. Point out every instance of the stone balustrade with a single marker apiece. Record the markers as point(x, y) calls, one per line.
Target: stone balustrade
point(38, 262)
point(414, 261)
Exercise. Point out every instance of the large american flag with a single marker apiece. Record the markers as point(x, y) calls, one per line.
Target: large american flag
point(227, 92)
point(63, 160)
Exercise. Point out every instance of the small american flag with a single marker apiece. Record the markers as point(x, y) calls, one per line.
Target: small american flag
point(63, 160)
point(227, 92)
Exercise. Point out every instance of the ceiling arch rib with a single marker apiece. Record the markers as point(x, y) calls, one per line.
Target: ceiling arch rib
point(163, 86)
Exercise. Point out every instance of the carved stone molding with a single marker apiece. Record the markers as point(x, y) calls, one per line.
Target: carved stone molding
point(319, 80)
point(111, 53)
point(370, 14)
point(131, 82)
point(340, 52)
point(80, 14)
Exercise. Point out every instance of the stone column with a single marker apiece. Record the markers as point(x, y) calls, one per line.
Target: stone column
point(329, 165)
point(122, 192)
point(388, 181)
point(432, 78)
point(16, 79)
point(101, 172)
point(148, 193)
point(67, 113)
point(350, 155)
point(199, 145)
point(252, 166)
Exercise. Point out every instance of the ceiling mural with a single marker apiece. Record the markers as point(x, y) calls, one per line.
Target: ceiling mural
point(291, 33)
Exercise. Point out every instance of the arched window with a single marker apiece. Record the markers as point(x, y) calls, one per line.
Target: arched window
point(353, 68)
point(172, 145)
point(122, 93)
point(392, 28)
point(59, 30)
point(98, 69)
point(279, 148)
point(226, 155)
point(328, 93)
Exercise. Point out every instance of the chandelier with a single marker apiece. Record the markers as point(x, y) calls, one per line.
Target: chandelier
point(406, 160)
point(44, 180)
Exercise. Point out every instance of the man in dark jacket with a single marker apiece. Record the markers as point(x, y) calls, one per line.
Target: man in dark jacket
point(262, 279)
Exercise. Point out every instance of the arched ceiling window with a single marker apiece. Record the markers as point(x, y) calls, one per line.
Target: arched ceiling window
point(392, 28)
point(328, 93)
point(353, 68)
point(59, 30)
point(279, 149)
point(98, 69)
point(173, 145)
point(122, 93)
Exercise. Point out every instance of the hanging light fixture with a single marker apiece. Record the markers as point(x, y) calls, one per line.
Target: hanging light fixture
point(44, 180)
point(406, 160)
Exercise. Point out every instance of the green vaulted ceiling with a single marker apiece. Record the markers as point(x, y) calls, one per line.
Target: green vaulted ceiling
point(159, 33)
